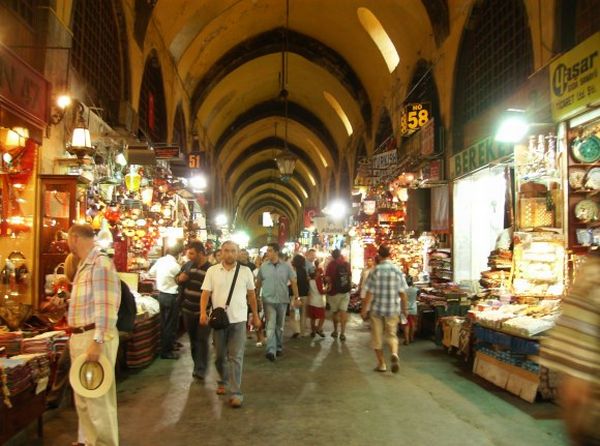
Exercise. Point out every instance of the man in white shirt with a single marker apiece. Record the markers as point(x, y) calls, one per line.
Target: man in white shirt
point(165, 270)
point(230, 341)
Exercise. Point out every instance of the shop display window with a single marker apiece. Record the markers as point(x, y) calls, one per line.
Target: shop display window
point(479, 202)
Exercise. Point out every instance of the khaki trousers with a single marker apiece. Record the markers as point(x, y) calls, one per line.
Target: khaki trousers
point(384, 327)
point(98, 416)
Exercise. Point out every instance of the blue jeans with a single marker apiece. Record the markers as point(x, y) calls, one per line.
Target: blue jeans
point(169, 321)
point(275, 314)
point(229, 345)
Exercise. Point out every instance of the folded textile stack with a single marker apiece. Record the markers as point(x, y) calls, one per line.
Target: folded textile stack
point(60, 343)
point(18, 375)
point(42, 343)
point(440, 262)
point(12, 342)
point(500, 263)
point(38, 363)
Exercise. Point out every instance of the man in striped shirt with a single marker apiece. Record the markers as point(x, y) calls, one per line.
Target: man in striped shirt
point(93, 309)
point(190, 281)
point(386, 295)
point(573, 349)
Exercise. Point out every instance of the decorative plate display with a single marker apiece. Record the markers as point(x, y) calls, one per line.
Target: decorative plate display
point(587, 150)
point(592, 180)
point(586, 211)
point(576, 177)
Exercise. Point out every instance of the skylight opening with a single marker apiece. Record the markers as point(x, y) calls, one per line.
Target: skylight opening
point(314, 146)
point(386, 47)
point(340, 111)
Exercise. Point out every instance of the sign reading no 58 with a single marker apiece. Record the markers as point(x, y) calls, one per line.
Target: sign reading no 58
point(414, 116)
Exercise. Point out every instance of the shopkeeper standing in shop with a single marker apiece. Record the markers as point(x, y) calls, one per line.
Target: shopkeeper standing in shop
point(95, 300)
point(190, 280)
point(165, 270)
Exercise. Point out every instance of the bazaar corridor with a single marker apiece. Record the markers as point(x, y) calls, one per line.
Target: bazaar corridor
point(321, 392)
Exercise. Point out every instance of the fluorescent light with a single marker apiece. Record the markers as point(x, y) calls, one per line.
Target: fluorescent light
point(513, 127)
point(63, 101)
point(221, 220)
point(198, 182)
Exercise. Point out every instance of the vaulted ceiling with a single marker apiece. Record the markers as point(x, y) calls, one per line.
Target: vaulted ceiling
point(228, 53)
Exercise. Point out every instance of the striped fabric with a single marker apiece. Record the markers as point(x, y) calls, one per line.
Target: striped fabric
point(96, 294)
point(385, 283)
point(573, 346)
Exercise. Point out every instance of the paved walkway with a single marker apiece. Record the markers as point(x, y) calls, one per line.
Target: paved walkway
point(321, 392)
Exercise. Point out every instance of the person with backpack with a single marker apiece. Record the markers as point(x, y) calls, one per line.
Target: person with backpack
point(339, 279)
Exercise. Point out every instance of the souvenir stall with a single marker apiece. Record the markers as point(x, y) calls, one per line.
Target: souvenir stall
point(24, 366)
point(526, 296)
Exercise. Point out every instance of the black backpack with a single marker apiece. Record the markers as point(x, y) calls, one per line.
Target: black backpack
point(127, 310)
point(342, 281)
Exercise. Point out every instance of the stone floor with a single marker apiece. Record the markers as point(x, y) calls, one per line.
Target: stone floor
point(321, 392)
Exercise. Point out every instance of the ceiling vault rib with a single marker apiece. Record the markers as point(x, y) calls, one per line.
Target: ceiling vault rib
point(270, 43)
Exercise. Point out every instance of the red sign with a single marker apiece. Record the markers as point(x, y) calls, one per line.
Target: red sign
point(22, 88)
point(284, 229)
point(309, 214)
point(166, 152)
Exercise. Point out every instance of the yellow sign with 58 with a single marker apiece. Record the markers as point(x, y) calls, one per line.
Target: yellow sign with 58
point(414, 116)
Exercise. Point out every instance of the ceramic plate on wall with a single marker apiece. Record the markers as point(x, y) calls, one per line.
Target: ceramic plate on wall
point(592, 180)
point(576, 178)
point(586, 211)
point(587, 150)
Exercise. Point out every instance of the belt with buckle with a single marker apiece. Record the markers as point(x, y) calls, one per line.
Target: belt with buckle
point(78, 330)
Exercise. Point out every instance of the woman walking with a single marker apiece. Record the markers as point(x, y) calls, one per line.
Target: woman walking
point(299, 264)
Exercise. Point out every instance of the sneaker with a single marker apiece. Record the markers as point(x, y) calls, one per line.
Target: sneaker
point(320, 333)
point(171, 355)
point(342, 337)
point(270, 357)
point(313, 334)
point(235, 402)
point(334, 334)
point(259, 344)
point(197, 376)
point(220, 389)
point(395, 364)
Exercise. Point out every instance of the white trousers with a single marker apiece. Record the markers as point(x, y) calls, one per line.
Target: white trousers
point(98, 416)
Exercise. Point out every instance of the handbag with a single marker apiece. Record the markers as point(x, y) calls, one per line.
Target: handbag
point(53, 280)
point(218, 319)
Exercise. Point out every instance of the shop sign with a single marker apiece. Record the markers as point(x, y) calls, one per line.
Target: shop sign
point(433, 171)
point(477, 156)
point(384, 160)
point(575, 79)
point(428, 138)
point(22, 87)
point(414, 116)
point(166, 152)
point(195, 160)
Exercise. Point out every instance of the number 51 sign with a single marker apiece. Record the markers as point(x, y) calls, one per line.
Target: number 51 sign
point(414, 116)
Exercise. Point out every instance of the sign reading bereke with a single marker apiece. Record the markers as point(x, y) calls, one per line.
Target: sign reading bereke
point(575, 79)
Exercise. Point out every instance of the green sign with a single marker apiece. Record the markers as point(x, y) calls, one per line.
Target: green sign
point(477, 156)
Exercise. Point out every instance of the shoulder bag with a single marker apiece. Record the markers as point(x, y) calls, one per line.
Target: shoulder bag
point(218, 319)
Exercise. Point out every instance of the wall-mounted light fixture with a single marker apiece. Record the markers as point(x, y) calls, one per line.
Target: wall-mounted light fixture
point(81, 141)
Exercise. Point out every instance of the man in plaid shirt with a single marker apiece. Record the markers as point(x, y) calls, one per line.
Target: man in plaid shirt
point(386, 295)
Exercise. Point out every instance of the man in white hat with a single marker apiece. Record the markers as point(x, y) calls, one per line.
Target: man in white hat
point(93, 309)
